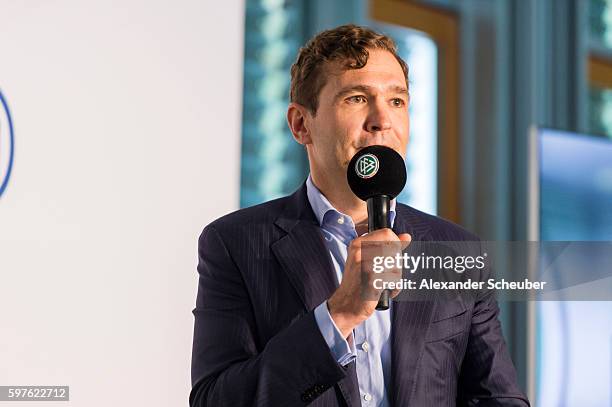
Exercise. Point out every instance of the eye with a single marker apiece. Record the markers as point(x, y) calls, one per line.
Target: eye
point(398, 102)
point(356, 99)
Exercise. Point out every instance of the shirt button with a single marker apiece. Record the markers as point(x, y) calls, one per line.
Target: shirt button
point(365, 346)
point(367, 397)
point(341, 220)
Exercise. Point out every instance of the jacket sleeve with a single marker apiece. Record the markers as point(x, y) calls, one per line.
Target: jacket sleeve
point(229, 366)
point(487, 376)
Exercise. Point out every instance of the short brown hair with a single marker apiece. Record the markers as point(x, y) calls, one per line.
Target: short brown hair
point(347, 44)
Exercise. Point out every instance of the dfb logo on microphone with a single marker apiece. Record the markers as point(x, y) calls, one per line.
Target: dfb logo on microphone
point(7, 142)
point(366, 166)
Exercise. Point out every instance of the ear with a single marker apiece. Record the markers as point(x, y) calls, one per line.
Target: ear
point(298, 119)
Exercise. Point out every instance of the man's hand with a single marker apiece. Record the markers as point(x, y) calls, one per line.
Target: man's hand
point(349, 306)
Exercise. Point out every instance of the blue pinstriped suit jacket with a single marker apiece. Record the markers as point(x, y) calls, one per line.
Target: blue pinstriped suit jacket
point(262, 271)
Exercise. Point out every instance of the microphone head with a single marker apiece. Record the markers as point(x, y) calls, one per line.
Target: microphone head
point(376, 170)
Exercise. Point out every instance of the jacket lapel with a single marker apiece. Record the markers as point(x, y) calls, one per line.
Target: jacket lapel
point(302, 253)
point(410, 321)
point(303, 257)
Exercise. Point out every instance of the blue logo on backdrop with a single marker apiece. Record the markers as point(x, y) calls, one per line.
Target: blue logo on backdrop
point(7, 144)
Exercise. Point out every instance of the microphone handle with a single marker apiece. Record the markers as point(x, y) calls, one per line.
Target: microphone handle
point(378, 218)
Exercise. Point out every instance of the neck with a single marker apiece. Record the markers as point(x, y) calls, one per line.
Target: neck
point(342, 198)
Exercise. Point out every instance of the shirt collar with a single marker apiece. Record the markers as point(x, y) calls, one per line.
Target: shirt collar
point(322, 207)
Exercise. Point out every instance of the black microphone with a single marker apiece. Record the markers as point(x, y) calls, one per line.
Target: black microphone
point(377, 174)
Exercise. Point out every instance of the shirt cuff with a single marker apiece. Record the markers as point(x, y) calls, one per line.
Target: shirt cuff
point(339, 347)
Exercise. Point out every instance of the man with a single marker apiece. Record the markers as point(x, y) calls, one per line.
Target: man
point(279, 319)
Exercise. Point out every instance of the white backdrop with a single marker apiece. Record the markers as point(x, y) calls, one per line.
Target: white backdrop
point(127, 124)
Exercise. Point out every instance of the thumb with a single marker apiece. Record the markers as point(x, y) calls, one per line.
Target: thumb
point(405, 238)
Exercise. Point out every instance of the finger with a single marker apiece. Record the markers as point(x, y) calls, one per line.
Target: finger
point(380, 235)
point(405, 239)
point(395, 293)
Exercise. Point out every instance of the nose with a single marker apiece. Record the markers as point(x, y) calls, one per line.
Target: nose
point(378, 118)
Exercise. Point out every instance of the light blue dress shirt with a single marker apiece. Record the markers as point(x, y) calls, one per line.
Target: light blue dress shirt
point(371, 345)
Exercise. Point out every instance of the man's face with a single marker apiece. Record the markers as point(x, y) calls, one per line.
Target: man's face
point(358, 108)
